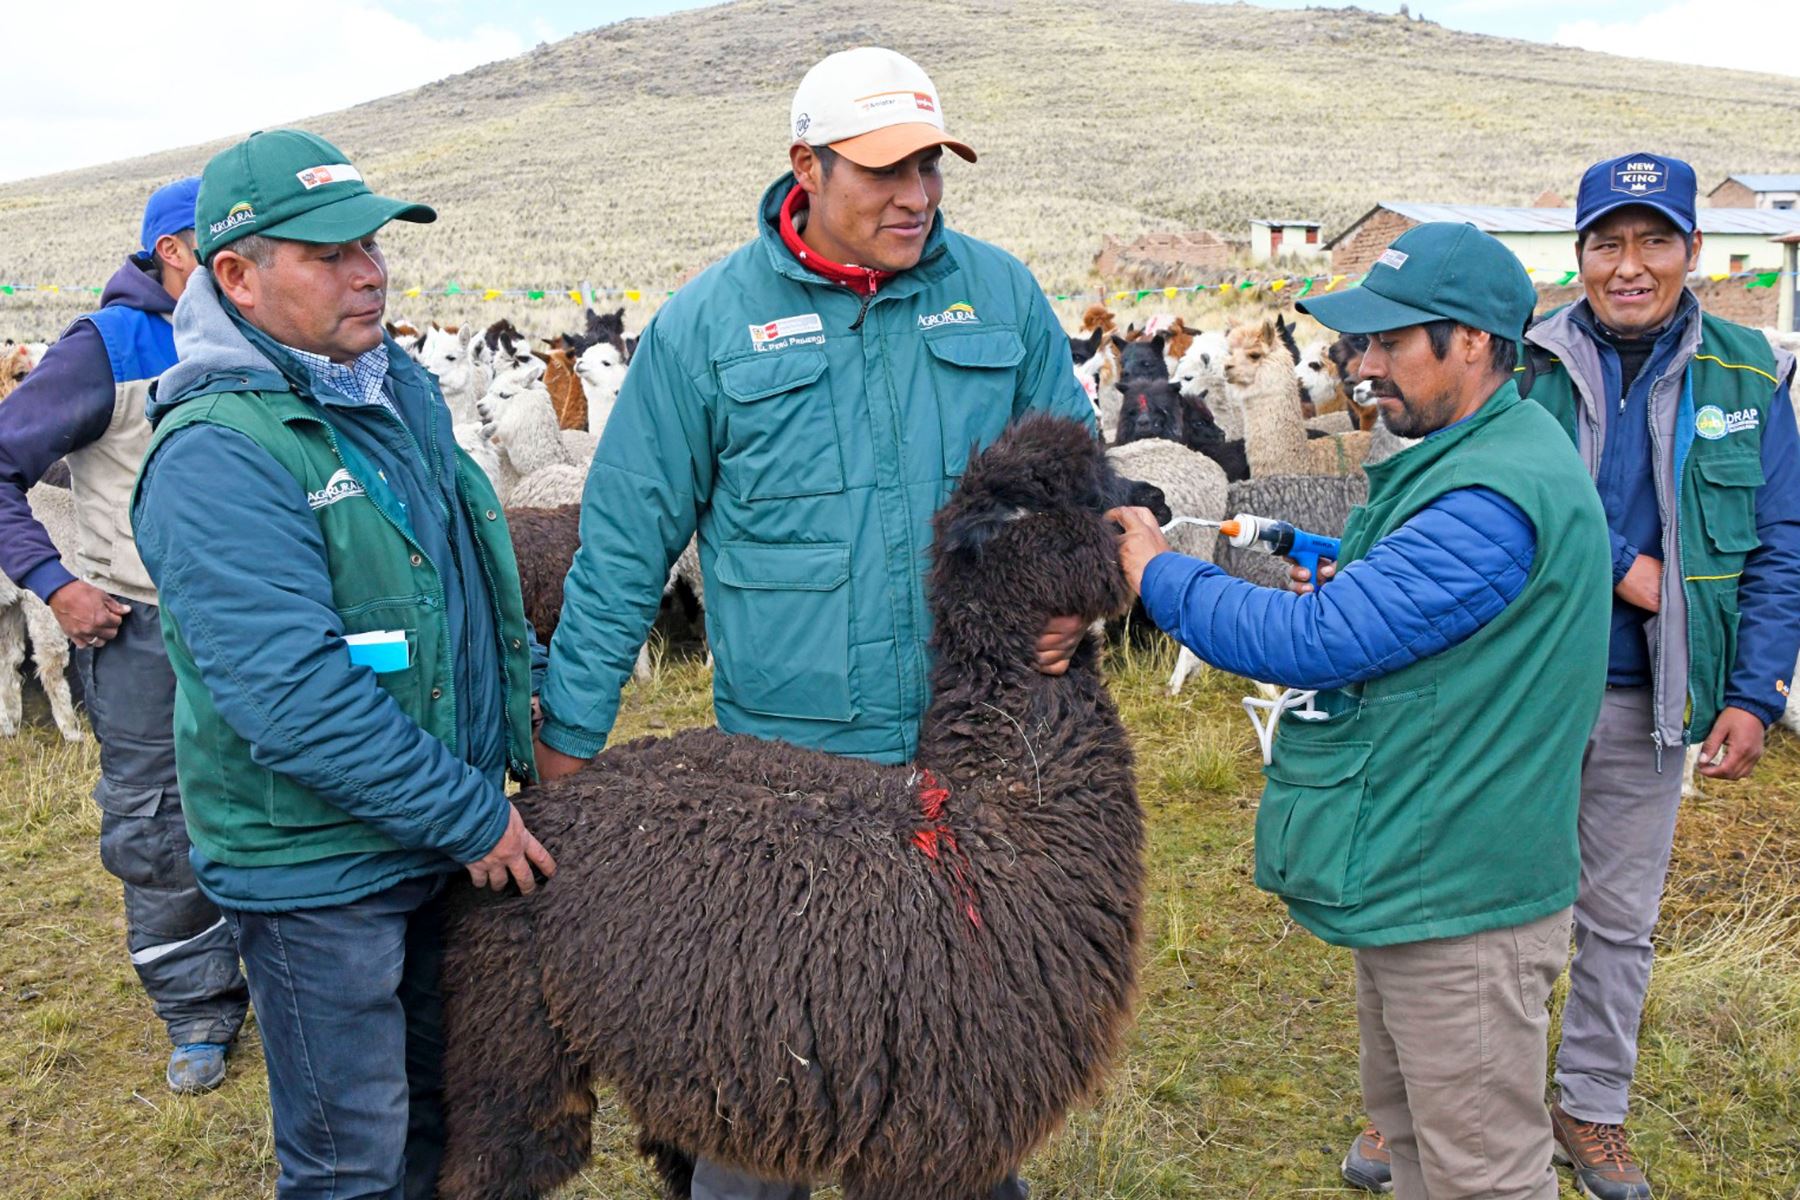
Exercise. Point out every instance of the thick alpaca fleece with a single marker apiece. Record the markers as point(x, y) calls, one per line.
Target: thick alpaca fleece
point(818, 968)
point(1261, 375)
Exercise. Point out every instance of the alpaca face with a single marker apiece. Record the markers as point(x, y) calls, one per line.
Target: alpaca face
point(1318, 374)
point(1250, 348)
point(1142, 359)
point(1025, 536)
point(1150, 410)
point(442, 353)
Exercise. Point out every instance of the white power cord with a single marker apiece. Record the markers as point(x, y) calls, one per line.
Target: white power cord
point(1295, 700)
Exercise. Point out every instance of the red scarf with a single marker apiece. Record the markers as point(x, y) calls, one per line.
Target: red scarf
point(861, 280)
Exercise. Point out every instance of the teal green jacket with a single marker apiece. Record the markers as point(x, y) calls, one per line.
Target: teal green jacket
point(808, 440)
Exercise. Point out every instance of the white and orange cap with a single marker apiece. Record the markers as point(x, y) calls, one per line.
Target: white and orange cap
point(872, 106)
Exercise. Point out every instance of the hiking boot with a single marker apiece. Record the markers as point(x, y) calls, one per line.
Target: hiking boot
point(1368, 1166)
point(1604, 1168)
point(196, 1067)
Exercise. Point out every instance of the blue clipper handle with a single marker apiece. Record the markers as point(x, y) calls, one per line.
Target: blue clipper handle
point(1309, 548)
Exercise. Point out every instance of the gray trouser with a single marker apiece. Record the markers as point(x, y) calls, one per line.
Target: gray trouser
point(1454, 1036)
point(180, 945)
point(1627, 828)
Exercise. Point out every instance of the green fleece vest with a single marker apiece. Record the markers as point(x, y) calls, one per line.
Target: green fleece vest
point(1441, 800)
point(1718, 462)
point(246, 815)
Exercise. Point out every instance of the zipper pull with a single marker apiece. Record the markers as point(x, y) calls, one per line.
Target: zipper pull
point(863, 311)
point(1656, 740)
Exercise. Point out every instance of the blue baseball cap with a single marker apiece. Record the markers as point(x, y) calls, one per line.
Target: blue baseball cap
point(170, 209)
point(1656, 180)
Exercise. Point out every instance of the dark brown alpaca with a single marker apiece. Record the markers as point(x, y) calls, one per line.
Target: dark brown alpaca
point(813, 967)
point(544, 544)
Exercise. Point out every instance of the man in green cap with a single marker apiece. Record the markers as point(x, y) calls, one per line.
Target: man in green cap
point(354, 672)
point(1422, 810)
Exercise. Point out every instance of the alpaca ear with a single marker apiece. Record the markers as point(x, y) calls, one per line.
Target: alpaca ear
point(1158, 341)
point(1118, 341)
point(970, 532)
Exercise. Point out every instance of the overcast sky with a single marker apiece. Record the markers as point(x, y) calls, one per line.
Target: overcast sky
point(89, 86)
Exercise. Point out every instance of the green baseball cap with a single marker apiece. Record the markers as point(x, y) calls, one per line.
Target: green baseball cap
point(1441, 270)
point(294, 185)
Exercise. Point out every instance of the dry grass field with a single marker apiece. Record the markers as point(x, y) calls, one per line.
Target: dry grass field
point(1238, 1081)
point(633, 154)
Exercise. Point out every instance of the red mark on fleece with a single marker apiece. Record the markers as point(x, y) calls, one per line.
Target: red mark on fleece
point(1143, 402)
point(936, 838)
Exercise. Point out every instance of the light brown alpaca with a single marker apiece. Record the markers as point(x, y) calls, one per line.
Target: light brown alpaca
point(15, 364)
point(564, 386)
point(1098, 316)
point(1180, 338)
point(1260, 373)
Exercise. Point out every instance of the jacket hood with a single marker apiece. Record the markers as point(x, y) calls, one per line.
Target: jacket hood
point(212, 352)
point(768, 231)
point(135, 287)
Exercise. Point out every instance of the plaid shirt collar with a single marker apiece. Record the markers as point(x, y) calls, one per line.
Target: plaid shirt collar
point(360, 379)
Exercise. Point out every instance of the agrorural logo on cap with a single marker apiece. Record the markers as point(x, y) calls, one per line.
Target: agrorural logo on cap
point(1640, 177)
point(240, 214)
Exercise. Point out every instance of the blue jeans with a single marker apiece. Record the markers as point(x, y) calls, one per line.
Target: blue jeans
point(351, 1019)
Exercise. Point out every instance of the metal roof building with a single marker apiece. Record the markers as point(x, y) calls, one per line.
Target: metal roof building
point(1734, 239)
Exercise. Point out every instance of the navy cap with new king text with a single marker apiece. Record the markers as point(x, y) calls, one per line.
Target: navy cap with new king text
point(1663, 183)
point(292, 185)
point(1438, 271)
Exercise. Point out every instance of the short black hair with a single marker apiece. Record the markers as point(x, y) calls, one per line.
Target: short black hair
point(828, 158)
point(153, 266)
point(1581, 235)
point(1503, 352)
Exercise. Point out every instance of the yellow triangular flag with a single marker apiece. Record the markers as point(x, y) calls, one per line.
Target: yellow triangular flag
point(1225, 289)
point(411, 293)
point(575, 295)
point(1335, 280)
point(1170, 292)
point(1719, 276)
point(1278, 285)
point(633, 295)
point(492, 294)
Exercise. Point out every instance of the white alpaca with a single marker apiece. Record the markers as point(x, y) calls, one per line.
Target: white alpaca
point(1260, 373)
point(462, 380)
point(601, 368)
point(27, 620)
point(1200, 374)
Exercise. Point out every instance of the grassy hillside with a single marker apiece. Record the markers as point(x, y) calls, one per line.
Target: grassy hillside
point(632, 154)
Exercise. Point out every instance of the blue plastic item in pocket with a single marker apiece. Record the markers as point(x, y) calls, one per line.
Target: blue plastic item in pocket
point(380, 650)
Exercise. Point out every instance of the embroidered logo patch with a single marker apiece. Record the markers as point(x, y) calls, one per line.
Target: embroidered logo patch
point(761, 336)
point(1392, 258)
point(1742, 421)
point(314, 177)
point(1640, 177)
point(1709, 423)
point(241, 214)
point(341, 486)
point(956, 314)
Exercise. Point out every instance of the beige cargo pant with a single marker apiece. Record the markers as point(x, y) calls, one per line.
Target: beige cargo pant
point(1454, 1047)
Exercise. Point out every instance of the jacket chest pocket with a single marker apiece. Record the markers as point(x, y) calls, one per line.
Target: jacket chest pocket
point(1727, 503)
point(1306, 825)
point(779, 622)
point(975, 375)
point(780, 437)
